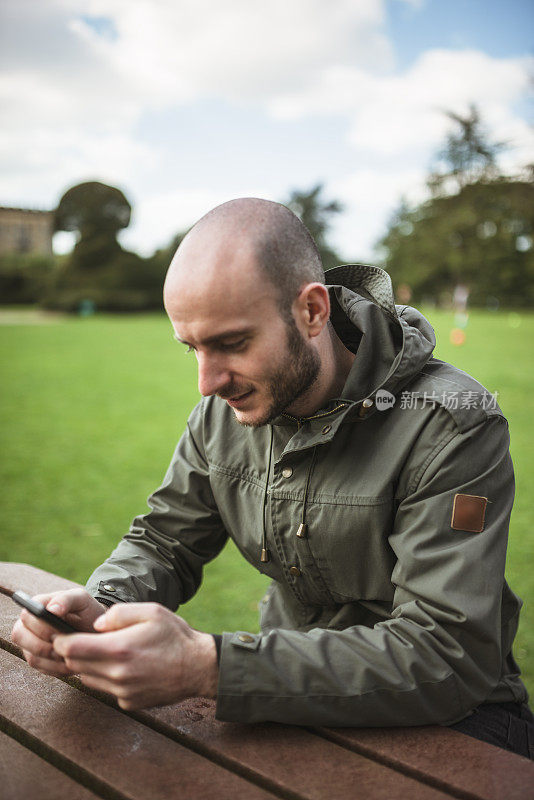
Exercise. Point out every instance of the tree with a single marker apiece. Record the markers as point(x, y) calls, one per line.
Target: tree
point(481, 236)
point(316, 214)
point(476, 228)
point(467, 156)
point(24, 276)
point(99, 270)
point(91, 207)
point(97, 212)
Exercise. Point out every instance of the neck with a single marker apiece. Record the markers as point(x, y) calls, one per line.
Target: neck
point(336, 363)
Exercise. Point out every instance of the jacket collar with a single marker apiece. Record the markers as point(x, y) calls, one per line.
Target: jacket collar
point(392, 343)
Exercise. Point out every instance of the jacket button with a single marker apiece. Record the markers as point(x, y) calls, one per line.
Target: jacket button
point(245, 637)
point(109, 588)
point(326, 429)
point(287, 472)
point(365, 407)
point(295, 571)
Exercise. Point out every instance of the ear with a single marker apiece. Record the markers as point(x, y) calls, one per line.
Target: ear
point(312, 308)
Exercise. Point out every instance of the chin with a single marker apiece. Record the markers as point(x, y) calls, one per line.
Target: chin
point(251, 419)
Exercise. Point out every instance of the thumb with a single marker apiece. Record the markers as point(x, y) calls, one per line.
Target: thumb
point(69, 602)
point(122, 615)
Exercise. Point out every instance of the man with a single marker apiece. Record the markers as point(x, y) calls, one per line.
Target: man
point(370, 481)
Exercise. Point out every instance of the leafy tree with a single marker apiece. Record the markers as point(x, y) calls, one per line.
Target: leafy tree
point(97, 212)
point(24, 276)
point(467, 156)
point(477, 227)
point(482, 236)
point(93, 207)
point(99, 271)
point(316, 214)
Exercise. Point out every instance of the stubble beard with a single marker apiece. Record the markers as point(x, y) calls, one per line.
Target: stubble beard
point(293, 378)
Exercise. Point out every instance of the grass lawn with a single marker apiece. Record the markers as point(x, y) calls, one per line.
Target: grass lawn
point(90, 413)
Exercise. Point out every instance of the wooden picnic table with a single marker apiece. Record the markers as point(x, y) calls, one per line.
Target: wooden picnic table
point(62, 741)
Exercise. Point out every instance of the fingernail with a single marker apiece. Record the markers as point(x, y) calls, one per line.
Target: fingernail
point(54, 608)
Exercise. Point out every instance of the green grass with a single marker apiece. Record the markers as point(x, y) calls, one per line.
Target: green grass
point(90, 413)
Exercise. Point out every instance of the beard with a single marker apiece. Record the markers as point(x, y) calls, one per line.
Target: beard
point(292, 378)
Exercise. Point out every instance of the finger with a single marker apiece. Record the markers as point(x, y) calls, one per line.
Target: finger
point(60, 603)
point(26, 639)
point(37, 626)
point(70, 601)
point(126, 699)
point(103, 684)
point(134, 703)
point(57, 669)
point(116, 673)
point(122, 615)
point(92, 646)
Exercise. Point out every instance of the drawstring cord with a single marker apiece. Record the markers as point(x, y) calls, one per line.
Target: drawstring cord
point(264, 552)
point(302, 531)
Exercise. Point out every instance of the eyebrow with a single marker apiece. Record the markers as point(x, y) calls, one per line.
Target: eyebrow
point(219, 337)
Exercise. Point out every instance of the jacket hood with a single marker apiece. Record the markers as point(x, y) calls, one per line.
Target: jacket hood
point(392, 343)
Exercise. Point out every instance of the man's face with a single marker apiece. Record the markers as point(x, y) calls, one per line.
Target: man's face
point(284, 381)
point(247, 354)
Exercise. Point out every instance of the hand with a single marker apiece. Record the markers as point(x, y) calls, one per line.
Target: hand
point(35, 636)
point(144, 655)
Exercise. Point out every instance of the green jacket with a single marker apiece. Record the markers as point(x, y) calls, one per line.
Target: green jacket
point(388, 604)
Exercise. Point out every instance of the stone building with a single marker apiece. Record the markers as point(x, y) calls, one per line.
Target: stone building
point(25, 231)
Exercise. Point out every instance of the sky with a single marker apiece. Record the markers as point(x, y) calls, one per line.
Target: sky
point(184, 104)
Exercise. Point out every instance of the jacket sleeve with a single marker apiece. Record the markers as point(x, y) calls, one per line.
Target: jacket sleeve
point(161, 557)
point(439, 655)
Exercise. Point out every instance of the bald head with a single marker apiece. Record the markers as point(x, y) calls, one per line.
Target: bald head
point(265, 236)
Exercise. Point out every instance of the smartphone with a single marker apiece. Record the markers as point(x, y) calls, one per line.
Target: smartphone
point(37, 609)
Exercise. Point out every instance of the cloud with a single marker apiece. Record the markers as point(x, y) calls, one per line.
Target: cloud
point(79, 75)
point(91, 67)
point(160, 218)
point(81, 78)
point(240, 49)
point(369, 194)
point(41, 162)
point(407, 110)
point(399, 111)
point(397, 122)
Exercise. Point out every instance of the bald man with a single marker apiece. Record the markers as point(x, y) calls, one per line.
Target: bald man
point(328, 446)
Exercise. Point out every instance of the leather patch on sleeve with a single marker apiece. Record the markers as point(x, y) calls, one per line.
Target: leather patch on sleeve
point(468, 512)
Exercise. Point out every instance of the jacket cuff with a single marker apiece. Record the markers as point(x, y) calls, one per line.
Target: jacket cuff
point(236, 649)
point(108, 593)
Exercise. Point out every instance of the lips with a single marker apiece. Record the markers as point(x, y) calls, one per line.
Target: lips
point(238, 399)
point(241, 396)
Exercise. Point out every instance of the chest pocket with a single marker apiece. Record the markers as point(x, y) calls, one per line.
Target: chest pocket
point(348, 541)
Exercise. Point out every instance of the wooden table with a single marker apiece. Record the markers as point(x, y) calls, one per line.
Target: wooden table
point(61, 741)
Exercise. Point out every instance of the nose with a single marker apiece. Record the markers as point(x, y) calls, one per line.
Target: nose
point(212, 374)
